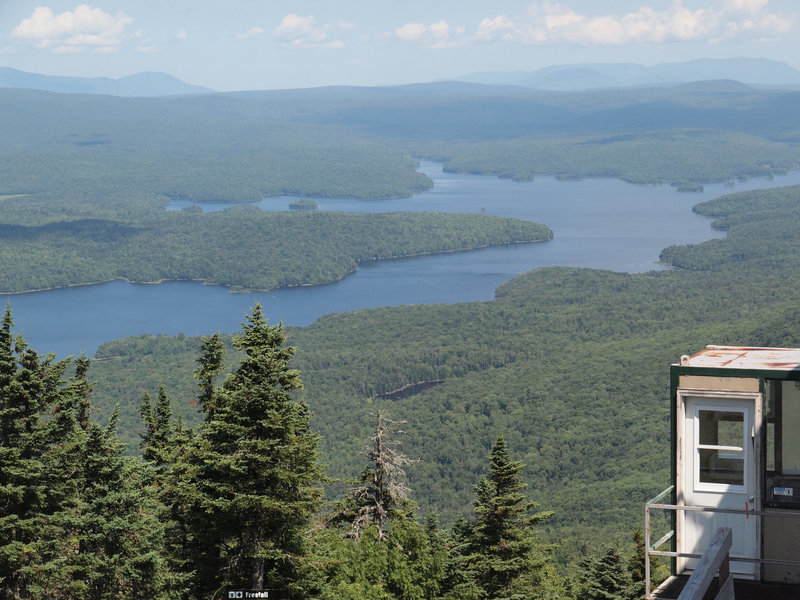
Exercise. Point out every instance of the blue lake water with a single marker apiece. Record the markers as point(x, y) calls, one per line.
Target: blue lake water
point(598, 223)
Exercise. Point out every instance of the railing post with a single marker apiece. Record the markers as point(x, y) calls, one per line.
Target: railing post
point(647, 552)
point(725, 579)
point(647, 545)
point(715, 558)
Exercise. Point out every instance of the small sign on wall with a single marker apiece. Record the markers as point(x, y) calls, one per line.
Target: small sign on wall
point(782, 491)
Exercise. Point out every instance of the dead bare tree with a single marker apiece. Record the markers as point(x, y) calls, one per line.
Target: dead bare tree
point(381, 493)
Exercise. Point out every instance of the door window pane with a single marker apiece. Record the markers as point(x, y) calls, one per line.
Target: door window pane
point(721, 428)
point(720, 447)
point(721, 467)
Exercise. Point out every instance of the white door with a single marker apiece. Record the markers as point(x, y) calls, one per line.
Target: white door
point(719, 470)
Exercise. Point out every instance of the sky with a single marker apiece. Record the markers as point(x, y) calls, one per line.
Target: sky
point(276, 44)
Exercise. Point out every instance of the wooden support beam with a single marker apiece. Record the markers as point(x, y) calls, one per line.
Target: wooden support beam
point(712, 561)
point(726, 590)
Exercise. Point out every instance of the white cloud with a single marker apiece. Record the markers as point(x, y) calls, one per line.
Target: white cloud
point(304, 32)
point(147, 46)
point(181, 35)
point(144, 44)
point(412, 32)
point(85, 28)
point(105, 50)
point(748, 6)
point(437, 35)
point(252, 32)
point(501, 27)
point(547, 22)
point(67, 50)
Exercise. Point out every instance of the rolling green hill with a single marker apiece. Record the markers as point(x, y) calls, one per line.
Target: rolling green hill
point(80, 154)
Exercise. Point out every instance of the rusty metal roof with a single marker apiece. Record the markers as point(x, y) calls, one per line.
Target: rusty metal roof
point(744, 357)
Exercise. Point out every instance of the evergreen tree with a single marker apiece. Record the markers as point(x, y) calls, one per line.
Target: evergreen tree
point(406, 564)
point(121, 537)
point(503, 556)
point(606, 577)
point(459, 573)
point(61, 574)
point(385, 552)
point(636, 565)
point(30, 389)
point(209, 365)
point(156, 444)
point(252, 475)
point(164, 442)
point(76, 518)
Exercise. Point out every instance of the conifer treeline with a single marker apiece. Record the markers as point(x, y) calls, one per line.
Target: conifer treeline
point(236, 503)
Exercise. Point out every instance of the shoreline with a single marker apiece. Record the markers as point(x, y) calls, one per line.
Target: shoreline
point(235, 288)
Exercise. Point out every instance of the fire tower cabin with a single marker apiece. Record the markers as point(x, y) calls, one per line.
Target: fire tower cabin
point(734, 503)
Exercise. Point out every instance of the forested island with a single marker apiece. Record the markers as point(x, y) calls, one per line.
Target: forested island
point(304, 204)
point(566, 372)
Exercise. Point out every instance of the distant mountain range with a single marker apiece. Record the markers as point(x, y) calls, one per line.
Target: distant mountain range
point(752, 71)
point(141, 84)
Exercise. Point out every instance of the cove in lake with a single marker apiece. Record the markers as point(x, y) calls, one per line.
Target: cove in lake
point(598, 223)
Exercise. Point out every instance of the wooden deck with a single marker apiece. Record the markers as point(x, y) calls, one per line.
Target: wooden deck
point(743, 590)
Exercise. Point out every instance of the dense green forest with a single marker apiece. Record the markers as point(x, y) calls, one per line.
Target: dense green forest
point(97, 155)
point(761, 231)
point(571, 365)
point(680, 157)
point(235, 503)
point(241, 247)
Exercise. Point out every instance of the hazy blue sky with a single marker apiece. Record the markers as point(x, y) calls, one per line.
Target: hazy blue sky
point(266, 44)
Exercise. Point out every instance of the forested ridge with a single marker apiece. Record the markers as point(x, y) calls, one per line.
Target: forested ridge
point(355, 142)
point(236, 502)
point(242, 247)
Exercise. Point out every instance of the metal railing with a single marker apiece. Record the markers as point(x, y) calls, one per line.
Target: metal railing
point(651, 549)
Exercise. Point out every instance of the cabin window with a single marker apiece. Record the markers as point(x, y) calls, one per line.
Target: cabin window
point(720, 452)
point(783, 444)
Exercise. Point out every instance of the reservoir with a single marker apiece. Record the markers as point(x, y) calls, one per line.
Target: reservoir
point(598, 223)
